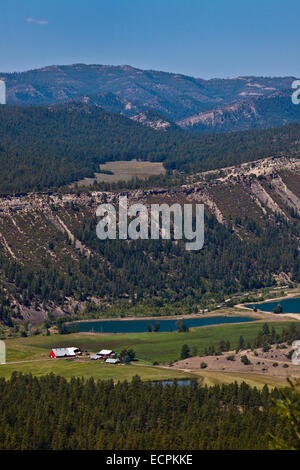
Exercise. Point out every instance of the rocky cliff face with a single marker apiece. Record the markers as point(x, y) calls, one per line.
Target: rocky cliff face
point(153, 120)
point(265, 187)
point(41, 230)
point(261, 111)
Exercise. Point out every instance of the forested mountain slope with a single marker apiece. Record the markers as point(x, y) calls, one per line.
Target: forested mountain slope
point(196, 104)
point(48, 147)
point(259, 112)
point(51, 259)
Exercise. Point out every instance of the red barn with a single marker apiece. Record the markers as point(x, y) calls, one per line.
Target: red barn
point(64, 352)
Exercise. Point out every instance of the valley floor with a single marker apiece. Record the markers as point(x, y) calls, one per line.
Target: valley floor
point(30, 355)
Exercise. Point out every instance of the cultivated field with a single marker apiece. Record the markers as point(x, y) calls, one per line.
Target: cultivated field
point(211, 378)
point(76, 368)
point(161, 347)
point(125, 171)
point(31, 354)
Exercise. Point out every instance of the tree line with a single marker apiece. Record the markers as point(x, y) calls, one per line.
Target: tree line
point(49, 147)
point(52, 413)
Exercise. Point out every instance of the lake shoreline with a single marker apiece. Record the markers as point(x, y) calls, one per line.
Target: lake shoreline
point(213, 313)
point(279, 301)
point(165, 325)
point(260, 315)
point(290, 295)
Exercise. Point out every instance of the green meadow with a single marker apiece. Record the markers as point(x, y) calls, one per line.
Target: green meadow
point(73, 368)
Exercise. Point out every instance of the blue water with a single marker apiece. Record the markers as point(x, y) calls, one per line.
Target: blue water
point(288, 305)
point(180, 383)
point(140, 326)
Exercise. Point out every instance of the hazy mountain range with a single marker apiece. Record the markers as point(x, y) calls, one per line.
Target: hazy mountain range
point(191, 103)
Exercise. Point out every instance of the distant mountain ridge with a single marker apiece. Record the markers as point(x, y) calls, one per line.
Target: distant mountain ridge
point(192, 103)
point(256, 113)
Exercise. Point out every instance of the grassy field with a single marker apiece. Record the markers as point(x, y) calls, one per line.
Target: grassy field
point(149, 347)
point(69, 368)
point(211, 378)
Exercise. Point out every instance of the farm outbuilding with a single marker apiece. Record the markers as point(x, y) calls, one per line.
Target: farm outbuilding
point(95, 357)
point(104, 353)
point(64, 352)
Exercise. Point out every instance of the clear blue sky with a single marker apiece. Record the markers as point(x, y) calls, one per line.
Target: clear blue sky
point(203, 38)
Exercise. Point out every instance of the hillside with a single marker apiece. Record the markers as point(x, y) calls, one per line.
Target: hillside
point(51, 259)
point(193, 103)
point(48, 147)
point(258, 112)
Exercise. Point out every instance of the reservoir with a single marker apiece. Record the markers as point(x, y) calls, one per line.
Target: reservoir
point(288, 305)
point(141, 326)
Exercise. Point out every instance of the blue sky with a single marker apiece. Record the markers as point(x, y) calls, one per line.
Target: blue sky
point(203, 38)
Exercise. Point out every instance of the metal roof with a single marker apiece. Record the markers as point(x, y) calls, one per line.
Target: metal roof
point(104, 352)
point(62, 352)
